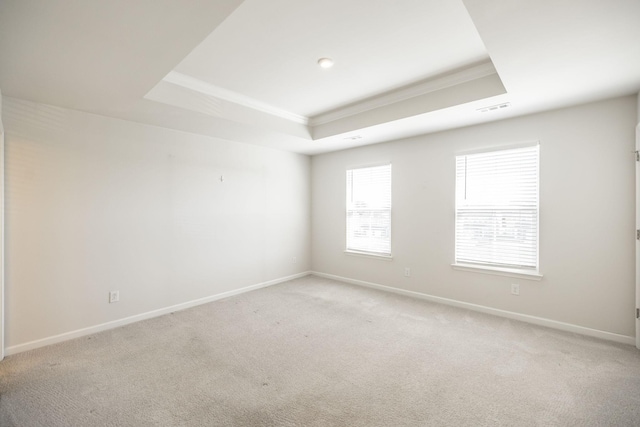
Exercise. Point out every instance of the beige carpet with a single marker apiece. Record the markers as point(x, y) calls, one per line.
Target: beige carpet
point(314, 352)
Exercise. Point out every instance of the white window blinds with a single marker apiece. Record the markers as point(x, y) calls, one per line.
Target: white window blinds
point(369, 210)
point(497, 208)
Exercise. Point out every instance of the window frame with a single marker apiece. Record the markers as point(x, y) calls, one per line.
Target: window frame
point(364, 253)
point(500, 269)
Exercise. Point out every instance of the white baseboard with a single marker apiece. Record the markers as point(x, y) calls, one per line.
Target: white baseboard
point(143, 316)
point(567, 327)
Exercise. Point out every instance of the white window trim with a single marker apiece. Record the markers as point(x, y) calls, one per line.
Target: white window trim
point(369, 255)
point(499, 271)
point(498, 148)
point(364, 254)
point(503, 271)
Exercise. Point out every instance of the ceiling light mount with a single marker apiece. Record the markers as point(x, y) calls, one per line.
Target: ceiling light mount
point(325, 62)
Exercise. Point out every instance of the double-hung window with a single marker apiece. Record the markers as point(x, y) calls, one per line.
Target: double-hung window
point(497, 209)
point(369, 210)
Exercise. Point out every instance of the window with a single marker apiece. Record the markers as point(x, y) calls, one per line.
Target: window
point(497, 209)
point(369, 210)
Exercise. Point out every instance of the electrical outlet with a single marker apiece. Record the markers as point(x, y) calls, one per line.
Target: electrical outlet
point(407, 272)
point(515, 289)
point(114, 296)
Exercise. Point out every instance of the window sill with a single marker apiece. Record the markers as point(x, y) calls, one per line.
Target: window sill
point(369, 255)
point(498, 271)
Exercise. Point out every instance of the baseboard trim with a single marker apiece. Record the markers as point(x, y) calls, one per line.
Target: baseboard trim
point(143, 316)
point(567, 327)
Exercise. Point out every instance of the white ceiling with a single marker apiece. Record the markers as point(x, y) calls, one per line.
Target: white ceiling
point(377, 46)
point(246, 70)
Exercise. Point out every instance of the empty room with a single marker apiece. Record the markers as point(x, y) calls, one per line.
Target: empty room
point(319, 213)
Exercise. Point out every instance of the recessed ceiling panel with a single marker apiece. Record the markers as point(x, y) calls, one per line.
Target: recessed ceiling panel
point(268, 50)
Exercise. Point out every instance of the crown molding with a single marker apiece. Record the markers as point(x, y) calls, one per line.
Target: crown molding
point(388, 98)
point(197, 85)
point(421, 88)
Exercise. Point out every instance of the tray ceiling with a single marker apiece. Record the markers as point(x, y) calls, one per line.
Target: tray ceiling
point(246, 71)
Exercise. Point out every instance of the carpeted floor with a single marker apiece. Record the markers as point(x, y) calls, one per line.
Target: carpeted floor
point(315, 352)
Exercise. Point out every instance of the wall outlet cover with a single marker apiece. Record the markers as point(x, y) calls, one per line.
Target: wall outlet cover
point(114, 296)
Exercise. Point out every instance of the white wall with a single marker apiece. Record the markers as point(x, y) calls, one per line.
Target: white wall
point(586, 220)
point(637, 213)
point(97, 204)
point(1, 232)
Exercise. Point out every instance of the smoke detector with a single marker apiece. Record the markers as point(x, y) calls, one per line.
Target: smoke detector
point(325, 62)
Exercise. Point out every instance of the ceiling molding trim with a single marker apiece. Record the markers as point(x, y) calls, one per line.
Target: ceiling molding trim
point(407, 92)
point(230, 96)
